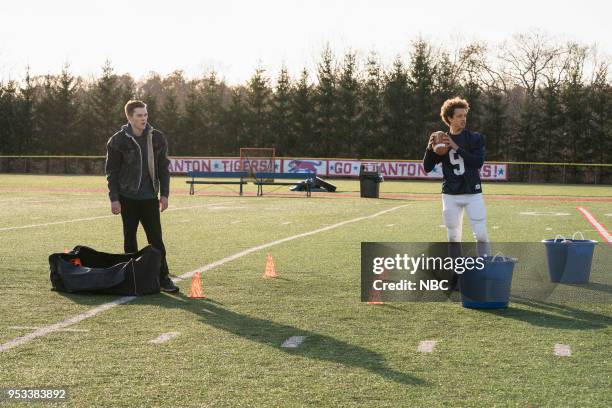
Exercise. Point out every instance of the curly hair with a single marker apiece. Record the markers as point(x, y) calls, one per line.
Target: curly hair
point(448, 108)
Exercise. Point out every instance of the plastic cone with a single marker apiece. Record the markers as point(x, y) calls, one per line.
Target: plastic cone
point(196, 287)
point(270, 271)
point(375, 294)
point(66, 250)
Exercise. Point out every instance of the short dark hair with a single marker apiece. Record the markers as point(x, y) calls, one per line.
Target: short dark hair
point(449, 106)
point(133, 104)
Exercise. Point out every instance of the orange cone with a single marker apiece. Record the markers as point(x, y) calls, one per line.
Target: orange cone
point(66, 250)
point(270, 271)
point(375, 294)
point(196, 287)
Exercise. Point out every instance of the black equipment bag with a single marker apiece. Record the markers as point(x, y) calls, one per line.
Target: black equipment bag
point(86, 270)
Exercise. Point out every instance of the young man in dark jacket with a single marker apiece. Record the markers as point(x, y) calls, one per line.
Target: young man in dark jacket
point(137, 171)
point(461, 186)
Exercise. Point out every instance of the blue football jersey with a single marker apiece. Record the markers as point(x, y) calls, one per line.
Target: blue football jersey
point(460, 168)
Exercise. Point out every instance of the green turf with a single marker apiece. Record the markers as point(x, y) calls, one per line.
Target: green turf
point(228, 352)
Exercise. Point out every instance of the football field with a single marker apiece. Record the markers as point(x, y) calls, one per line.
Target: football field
point(230, 348)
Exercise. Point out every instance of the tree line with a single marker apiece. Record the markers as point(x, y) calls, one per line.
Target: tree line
point(533, 98)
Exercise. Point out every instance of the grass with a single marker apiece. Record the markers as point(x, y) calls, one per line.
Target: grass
point(228, 352)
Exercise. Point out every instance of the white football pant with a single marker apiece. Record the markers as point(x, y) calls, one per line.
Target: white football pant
point(452, 210)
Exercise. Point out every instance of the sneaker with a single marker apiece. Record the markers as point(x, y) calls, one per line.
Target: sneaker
point(166, 285)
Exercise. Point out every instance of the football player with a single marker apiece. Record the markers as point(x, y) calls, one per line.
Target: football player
point(461, 186)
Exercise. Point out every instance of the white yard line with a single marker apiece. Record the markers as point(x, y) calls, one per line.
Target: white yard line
point(600, 228)
point(162, 338)
point(563, 350)
point(55, 223)
point(43, 331)
point(36, 328)
point(293, 342)
point(281, 241)
point(426, 346)
point(97, 218)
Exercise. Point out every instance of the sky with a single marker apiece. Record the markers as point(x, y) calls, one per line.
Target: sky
point(234, 37)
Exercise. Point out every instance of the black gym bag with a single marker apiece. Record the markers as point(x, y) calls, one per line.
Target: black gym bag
point(86, 270)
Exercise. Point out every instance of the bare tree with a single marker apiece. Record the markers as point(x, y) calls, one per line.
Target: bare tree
point(528, 56)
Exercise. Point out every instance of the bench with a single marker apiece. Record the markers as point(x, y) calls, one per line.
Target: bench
point(241, 175)
point(260, 180)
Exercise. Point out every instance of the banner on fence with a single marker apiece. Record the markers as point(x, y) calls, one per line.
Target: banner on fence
point(390, 169)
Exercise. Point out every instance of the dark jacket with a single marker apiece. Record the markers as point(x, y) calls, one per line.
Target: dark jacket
point(460, 169)
point(124, 162)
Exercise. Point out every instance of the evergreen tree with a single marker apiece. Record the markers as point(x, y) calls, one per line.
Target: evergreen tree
point(25, 122)
point(213, 114)
point(575, 107)
point(493, 124)
point(281, 126)
point(257, 105)
point(64, 97)
point(371, 140)
point(424, 110)
point(8, 117)
point(235, 123)
point(445, 84)
point(169, 123)
point(396, 111)
point(45, 123)
point(303, 114)
point(326, 115)
point(348, 101)
point(600, 120)
point(105, 114)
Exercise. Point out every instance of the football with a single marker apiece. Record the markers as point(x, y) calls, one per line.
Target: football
point(439, 147)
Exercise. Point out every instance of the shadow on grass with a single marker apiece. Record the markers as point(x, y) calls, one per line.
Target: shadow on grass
point(599, 287)
point(273, 334)
point(267, 332)
point(552, 315)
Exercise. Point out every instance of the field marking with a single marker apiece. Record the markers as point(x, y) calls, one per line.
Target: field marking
point(283, 240)
point(600, 228)
point(36, 328)
point(164, 337)
point(544, 213)
point(221, 207)
point(416, 196)
point(96, 218)
point(55, 223)
point(43, 331)
point(293, 342)
point(286, 223)
point(390, 225)
point(563, 350)
point(426, 346)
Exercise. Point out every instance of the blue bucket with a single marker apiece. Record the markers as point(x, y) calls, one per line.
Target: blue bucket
point(569, 260)
point(488, 288)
